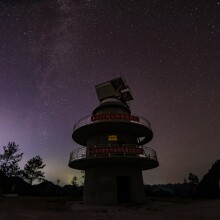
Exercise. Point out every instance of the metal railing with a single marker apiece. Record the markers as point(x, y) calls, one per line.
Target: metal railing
point(88, 120)
point(83, 152)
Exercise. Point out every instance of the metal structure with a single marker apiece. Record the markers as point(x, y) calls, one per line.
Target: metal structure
point(113, 153)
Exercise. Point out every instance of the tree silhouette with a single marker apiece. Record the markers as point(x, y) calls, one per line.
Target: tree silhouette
point(74, 181)
point(193, 179)
point(210, 183)
point(32, 170)
point(9, 160)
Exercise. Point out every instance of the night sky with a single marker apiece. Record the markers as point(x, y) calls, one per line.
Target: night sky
point(53, 53)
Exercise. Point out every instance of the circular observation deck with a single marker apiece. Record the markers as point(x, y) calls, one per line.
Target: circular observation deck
point(95, 124)
point(142, 157)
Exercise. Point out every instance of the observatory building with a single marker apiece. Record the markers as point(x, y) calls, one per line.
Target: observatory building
point(113, 154)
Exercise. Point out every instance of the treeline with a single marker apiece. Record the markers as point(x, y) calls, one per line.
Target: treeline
point(209, 186)
point(14, 180)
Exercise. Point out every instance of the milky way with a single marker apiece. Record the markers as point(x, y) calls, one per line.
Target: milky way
point(53, 53)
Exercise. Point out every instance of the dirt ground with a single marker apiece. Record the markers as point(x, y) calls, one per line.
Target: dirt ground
point(61, 208)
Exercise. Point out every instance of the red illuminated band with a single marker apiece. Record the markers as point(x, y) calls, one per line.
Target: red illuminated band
point(114, 116)
point(115, 150)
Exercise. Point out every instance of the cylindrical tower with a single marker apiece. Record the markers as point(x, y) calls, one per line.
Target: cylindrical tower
point(113, 155)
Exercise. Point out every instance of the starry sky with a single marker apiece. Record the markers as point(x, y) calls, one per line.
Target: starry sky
point(53, 53)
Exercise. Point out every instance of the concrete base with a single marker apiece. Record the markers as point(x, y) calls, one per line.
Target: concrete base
point(111, 185)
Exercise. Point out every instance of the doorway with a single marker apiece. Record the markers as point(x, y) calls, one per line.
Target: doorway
point(123, 189)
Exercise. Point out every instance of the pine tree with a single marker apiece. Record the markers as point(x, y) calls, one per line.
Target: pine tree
point(9, 160)
point(32, 170)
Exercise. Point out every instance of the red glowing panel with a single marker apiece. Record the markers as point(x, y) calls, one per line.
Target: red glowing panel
point(115, 150)
point(114, 116)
